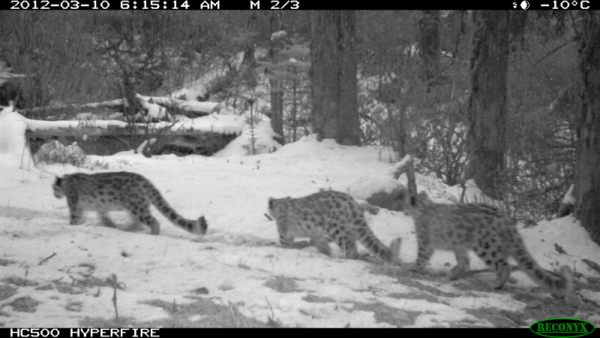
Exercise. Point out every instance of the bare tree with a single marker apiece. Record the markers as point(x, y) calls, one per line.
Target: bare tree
point(333, 75)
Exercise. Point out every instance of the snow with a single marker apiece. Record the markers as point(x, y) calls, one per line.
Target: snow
point(365, 186)
point(217, 123)
point(35, 125)
point(156, 111)
point(239, 258)
point(16, 164)
point(278, 35)
point(263, 140)
point(569, 196)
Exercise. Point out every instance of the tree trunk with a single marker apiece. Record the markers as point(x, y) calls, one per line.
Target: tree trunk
point(276, 89)
point(487, 102)
point(333, 75)
point(587, 184)
point(398, 127)
point(248, 66)
point(429, 42)
point(131, 105)
point(294, 110)
point(429, 50)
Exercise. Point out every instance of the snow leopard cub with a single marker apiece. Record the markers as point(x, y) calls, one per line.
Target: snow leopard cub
point(118, 191)
point(485, 230)
point(324, 215)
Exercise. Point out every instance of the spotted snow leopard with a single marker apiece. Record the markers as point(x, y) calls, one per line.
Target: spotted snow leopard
point(483, 229)
point(324, 215)
point(117, 191)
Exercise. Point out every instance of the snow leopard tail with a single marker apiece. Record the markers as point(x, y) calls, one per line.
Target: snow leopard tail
point(373, 244)
point(196, 227)
point(560, 285)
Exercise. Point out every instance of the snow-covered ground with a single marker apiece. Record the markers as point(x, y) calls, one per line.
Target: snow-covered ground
point(54, 274)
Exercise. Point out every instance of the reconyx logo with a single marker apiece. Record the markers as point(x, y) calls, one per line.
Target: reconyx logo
point(562, 327)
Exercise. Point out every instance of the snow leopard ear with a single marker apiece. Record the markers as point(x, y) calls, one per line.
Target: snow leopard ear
point(271, 202)
point(58, 181)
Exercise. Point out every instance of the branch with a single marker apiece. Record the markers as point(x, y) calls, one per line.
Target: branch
point(47, 258)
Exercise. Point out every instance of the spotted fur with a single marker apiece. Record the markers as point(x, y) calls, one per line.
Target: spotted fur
point(328, 215)
point(116, 191)
point(485, 230)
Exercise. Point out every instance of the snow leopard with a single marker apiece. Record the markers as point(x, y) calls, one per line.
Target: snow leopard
point(328, 215)
point(488, 232)
point(118, 191)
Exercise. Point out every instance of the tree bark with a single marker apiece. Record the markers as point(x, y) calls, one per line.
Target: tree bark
point(276, 86)
point(333, 75)
point(487, 102)
point(248, 66)
point(587, 184)
point(430, 46)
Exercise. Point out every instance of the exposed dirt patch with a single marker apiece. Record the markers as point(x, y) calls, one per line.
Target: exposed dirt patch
point(18, 281)
point(282, 284)
point(387, 314)
point(74, 306)
point(24, 304)
point(415, 295)
point(6, 262)
point(316, 299)
point(498, 318)
point(66, 288)
point(202, 313)
point(7, 291)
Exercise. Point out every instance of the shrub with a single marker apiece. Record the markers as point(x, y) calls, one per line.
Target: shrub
point(56, 152)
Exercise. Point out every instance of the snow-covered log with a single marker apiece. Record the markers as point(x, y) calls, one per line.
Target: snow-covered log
point(191, 109)
point(223, 124)
point(204, 135)
point(384, 190)
point(58, 111)
point(402, 167)
point(107, 128)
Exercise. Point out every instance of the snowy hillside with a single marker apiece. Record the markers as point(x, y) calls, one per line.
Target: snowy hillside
point(54, 274)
